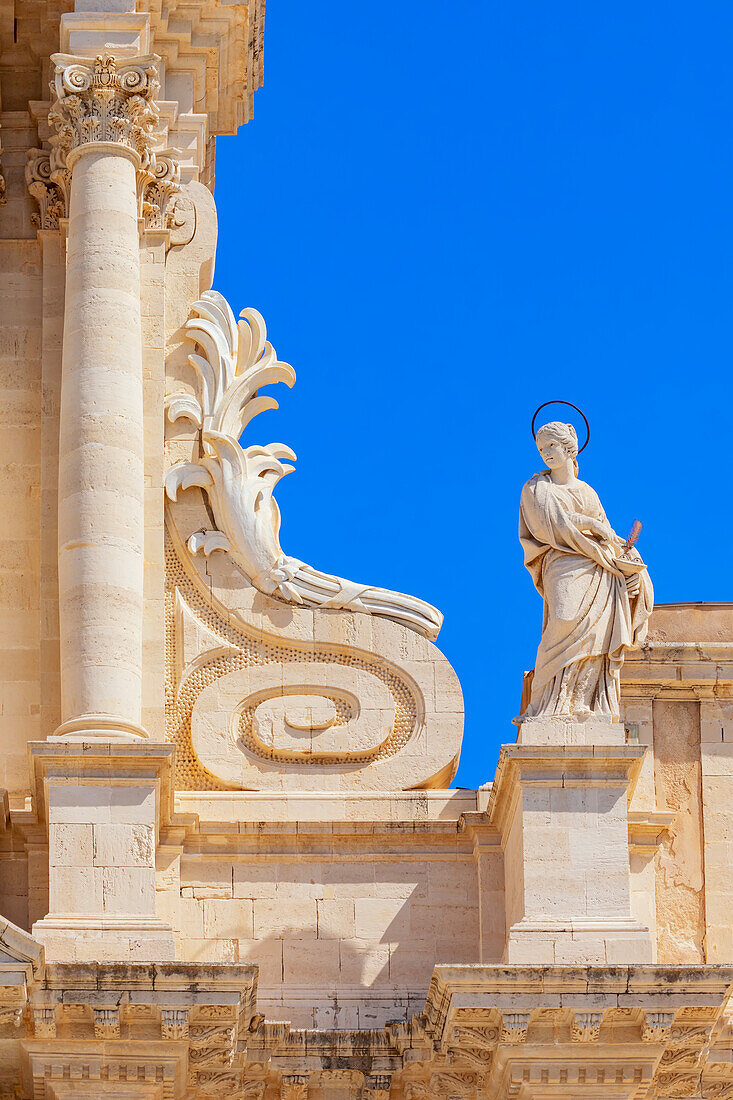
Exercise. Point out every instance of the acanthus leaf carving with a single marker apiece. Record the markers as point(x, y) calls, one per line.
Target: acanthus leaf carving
point(586, 1027)
point(294, 1086)
point(112, 103)
point(174, 1023)
point(48, 189)
point(235, 361)
point(453, 1086)
point(514, 1026)
point(656, 1027)
point(106, 1023)
point(252, 1090)
point(44, 1022)
point(103, 101)
point(157, 187)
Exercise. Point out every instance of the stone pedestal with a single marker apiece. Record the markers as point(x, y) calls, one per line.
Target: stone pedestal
point(103, 805)
point(561, 810)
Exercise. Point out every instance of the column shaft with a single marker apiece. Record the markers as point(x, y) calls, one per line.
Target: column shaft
point(101, 450)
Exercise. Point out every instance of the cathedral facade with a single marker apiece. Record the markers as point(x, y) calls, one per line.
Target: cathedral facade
point(231, 860)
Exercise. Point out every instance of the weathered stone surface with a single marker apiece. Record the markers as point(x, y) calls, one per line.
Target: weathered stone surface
point(242, 871)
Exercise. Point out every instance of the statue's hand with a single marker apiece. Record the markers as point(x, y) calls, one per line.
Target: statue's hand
point(595, 527)
point(633, 584)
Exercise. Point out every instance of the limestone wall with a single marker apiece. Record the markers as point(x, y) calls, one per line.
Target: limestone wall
point(344, 904)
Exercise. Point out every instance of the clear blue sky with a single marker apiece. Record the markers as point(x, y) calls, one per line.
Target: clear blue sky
point(449, 213)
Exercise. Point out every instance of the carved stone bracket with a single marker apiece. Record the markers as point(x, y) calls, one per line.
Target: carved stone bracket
point(44, 1023)
point(656, 1027)
point(514, 1027)
point(377, 1086)
point(586, 1027)
point(294, 1086)
point(174, 1023)
point(106, 1023)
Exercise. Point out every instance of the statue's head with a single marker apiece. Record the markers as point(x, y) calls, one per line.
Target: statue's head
point(557, 442)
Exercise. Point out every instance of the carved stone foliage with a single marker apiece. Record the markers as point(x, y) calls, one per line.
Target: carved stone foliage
point(103, 101)
point(50, 194)
point(453, 1086)
point(377, 1086)
point(11, 1016)
point(294, 1086)
point(656, 1026)
point(158, 192)
point(514, 1027)
point(174, 1023)
point(106, 1023)
point(586, 1026)
point(211, 1045)
point(44, 1023)
point(232, 363)
point(252, 1090)
point(110, 103)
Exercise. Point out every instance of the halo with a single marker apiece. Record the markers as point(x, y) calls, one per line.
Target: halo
point(572, 406)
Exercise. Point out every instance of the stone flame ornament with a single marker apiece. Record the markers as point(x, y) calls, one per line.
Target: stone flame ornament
point(597, 592)
point(233, 361)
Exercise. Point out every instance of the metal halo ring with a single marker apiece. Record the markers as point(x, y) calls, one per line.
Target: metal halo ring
point(572, 406)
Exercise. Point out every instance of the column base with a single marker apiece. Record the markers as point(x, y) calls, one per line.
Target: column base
point(579, 942)
point(98, 727)
point(74, 938)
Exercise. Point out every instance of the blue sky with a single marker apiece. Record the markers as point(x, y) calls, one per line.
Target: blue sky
point(450, 213)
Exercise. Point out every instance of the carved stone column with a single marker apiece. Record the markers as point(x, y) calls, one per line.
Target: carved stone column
point(104, 115)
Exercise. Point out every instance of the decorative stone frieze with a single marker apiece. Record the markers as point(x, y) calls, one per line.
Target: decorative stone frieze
point(103, 102)
point(453, 1085)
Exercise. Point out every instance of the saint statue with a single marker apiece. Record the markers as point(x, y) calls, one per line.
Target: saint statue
point(597, 592)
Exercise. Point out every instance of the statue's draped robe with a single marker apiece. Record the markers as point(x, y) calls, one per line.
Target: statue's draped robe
point(589, 620)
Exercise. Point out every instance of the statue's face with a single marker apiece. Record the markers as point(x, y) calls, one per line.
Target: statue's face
point(553, 453)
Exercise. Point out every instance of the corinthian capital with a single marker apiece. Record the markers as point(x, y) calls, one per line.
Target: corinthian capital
point(102, 101)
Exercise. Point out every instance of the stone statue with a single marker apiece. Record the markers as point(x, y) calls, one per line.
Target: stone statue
point(597, 592)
